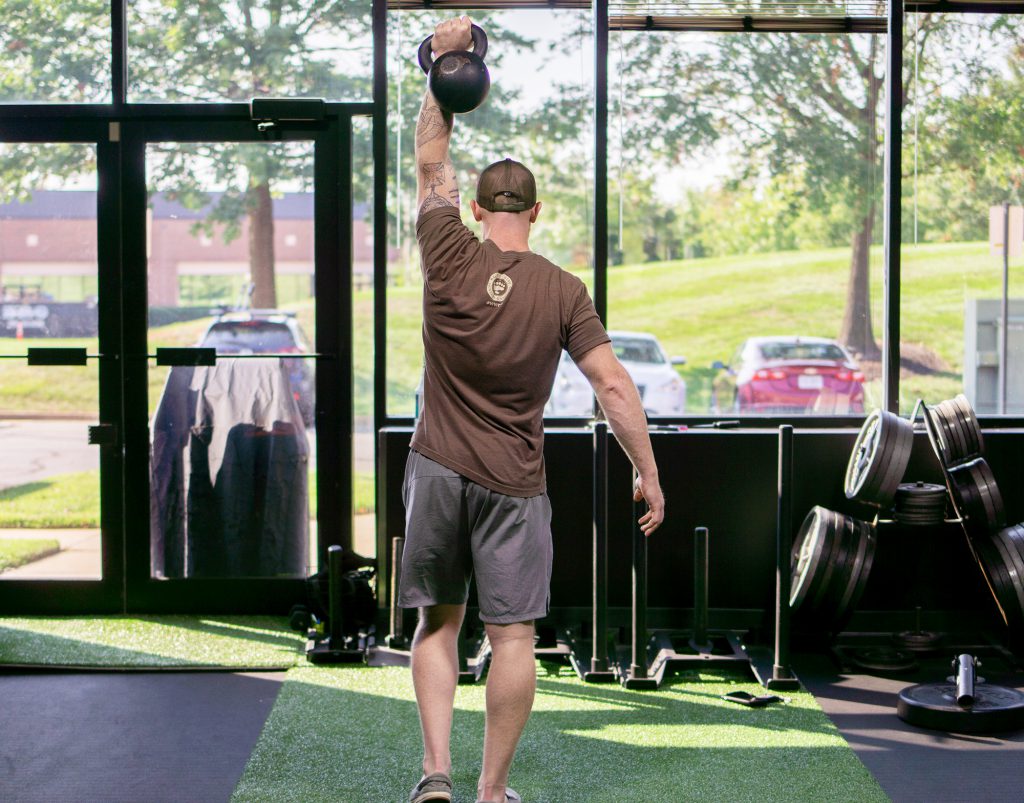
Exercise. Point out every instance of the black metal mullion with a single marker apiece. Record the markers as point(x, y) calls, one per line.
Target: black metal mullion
point(333, 282)
point(119, 52)
point(135, 317)
point(893, 194)
point(111, 370)
point(601, 158)
point(380, 217)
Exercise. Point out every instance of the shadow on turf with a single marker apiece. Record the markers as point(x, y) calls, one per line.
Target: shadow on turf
point(366, 746)
point(21, 647)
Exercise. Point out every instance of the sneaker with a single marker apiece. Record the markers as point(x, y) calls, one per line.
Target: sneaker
point(511, 796)
point(437, 786)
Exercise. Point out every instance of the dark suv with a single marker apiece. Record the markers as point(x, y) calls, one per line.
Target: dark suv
point(272, 332)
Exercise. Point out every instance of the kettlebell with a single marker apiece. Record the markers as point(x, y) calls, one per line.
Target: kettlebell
point(459, 78)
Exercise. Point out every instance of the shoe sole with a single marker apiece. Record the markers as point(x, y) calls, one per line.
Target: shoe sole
point(432, 796)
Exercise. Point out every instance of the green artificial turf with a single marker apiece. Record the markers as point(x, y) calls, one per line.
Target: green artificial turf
point(352, 734)
point(141, 641)
point(16, 552)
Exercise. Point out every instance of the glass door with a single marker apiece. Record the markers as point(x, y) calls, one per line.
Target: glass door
point(60, 456)
point(238, 387)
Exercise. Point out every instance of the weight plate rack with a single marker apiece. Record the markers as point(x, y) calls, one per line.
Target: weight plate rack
point(977, 503)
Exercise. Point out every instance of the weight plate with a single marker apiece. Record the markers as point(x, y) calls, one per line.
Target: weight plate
point(863, 555)
point(936, 436)
point(998, 581)
point(996, 709)
point(972, 423)
point(842, 559)
point(988, 493)
point(1015, 572)
point(903, 445)
point(958, 438)
point(879, 458)
point(967, 495)
point(830, 559)
point(949, 447)
point(920, 503)
point(862, 469)
point(807, 554)
point(884, 660)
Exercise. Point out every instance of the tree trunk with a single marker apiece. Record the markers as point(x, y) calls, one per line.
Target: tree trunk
point(856, 332)
point(261, 246)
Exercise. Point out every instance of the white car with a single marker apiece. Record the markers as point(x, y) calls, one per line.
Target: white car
point(661, 388)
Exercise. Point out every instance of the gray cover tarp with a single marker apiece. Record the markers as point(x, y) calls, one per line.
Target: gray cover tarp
point(229, 473)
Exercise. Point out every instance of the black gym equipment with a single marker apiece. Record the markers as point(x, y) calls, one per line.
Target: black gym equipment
point(654, 655)
point(339, 644)
point(590, 657)
point(965, 703)
point(782, 677)
point(458, 79)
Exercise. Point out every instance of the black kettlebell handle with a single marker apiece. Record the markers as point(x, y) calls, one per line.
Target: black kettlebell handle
point(426, 47)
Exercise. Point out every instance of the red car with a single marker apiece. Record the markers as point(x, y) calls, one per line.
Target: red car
point(795, 375)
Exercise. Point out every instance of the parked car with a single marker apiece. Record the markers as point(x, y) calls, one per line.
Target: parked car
point(661, 388)
point(272, 332)
point(789, 374)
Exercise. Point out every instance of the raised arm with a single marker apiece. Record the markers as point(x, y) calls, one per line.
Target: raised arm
point(620, 400)
point(436, 183)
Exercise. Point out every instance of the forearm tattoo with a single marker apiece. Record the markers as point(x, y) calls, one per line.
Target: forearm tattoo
point(434, 177)
point(431, 125)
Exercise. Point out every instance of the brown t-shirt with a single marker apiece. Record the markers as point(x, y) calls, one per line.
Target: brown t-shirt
point(494, 326)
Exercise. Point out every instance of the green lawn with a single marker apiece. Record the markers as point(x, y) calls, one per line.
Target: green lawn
point(16, 552)
point(65, 501)
point(72, 500)
point(701, 309)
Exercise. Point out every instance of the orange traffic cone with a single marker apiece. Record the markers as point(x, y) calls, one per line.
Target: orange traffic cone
point(19, 332)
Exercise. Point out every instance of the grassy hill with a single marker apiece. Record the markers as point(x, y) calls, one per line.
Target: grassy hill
point(701, 309)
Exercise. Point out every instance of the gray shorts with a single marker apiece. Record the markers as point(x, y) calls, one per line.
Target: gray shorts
point(455, 528)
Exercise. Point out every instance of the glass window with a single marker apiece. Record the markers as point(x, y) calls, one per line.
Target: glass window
point(545, 122)
point(49, 474)
point(745, 209)
point(233, 452)
point(56, 52)
point(230, 51)
point(963, 182)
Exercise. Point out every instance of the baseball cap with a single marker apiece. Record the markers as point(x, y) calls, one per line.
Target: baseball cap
point(506, 186)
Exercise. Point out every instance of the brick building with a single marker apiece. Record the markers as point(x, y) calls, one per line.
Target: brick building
point(53, 234)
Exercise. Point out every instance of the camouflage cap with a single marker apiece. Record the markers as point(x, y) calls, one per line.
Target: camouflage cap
point(506, 186)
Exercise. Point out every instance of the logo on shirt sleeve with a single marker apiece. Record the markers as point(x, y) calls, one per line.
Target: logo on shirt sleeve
point(499, 285)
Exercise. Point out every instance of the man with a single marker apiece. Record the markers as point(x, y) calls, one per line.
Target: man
point(495, 320)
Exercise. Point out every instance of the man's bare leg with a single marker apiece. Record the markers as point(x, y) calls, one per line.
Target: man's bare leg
point(435, 674)
point(511, 682)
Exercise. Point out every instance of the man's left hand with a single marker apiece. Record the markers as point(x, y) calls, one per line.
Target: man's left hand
point(452, 35)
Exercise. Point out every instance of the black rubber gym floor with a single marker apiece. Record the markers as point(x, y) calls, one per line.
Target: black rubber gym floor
point(129, 737)
point(913, 764)
point(142, 737)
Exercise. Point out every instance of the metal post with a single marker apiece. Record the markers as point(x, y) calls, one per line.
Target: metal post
point(600, 10)
point(396, 638)
point(783, 549)
point(700, 587)
point(1004, 314)
point(893, 198)
point(638, 666)
point(599, 651)
point(335, 614)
